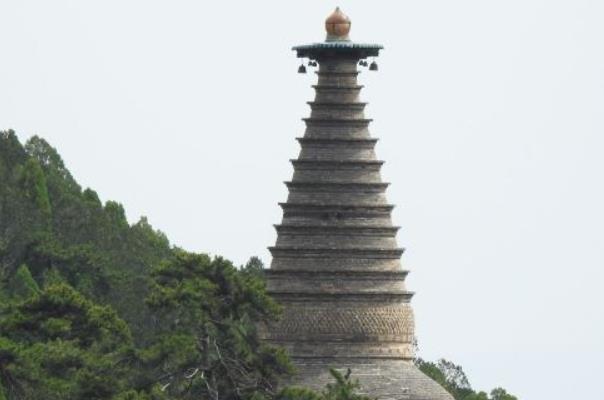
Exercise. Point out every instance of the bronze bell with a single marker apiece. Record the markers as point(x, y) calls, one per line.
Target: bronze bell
point(373, 66)
point(301, 69)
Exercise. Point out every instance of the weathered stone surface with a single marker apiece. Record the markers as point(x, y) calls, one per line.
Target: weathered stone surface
point(336, 262)
point(386, 379)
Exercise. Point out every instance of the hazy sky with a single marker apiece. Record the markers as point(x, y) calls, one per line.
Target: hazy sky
point(490, 115)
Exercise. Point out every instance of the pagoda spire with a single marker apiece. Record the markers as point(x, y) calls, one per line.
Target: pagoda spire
point(336, 263)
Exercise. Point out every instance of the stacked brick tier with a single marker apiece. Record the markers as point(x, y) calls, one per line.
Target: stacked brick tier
point(336, 264)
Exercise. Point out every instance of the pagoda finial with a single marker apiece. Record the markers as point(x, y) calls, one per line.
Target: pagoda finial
point(337, 26)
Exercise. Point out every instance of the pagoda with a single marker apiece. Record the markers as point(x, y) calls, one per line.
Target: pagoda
point(336, 266)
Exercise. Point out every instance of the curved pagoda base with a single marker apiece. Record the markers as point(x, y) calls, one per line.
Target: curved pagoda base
point(384, 379)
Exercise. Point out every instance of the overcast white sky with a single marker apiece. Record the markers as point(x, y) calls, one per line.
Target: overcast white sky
point(490, 115)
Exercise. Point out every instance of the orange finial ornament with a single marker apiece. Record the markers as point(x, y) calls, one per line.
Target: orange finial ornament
point(337, 26)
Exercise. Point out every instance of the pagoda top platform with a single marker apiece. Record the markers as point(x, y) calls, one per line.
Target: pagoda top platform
point(334, 48)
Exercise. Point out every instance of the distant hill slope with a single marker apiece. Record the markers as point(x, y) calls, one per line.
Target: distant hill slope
point(61, 232)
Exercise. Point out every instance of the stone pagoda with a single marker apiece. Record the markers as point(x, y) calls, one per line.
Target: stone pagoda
point(336, 265)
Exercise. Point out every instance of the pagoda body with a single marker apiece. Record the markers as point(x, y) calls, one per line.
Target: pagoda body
point(336, 264)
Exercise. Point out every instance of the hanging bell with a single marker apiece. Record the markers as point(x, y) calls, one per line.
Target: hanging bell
point(301, 69)
point(373, 66)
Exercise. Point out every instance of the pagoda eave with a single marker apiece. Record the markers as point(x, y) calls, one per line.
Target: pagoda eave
point(337, 49)
point(337, 121)
point(335, 140)
point(353, 297)
point(338, 87)
point(310, 164)
point(330, 252)
point(367, 230)
point(364, 210)
point(334, 104)
point(398, 274)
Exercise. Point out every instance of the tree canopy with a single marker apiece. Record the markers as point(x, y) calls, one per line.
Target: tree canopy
point(59, 345)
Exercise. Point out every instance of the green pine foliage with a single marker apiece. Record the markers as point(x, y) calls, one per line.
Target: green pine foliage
point(209, 346)
point(22, 285)
point(49, 223)
point(34, 187)
point(59, 345)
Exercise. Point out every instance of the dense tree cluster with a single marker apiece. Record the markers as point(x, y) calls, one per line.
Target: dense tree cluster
point(60, 232)
point(92, 307)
